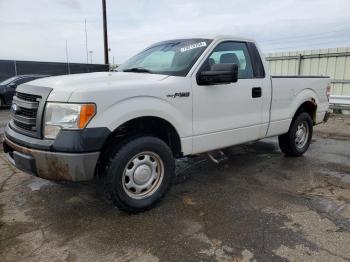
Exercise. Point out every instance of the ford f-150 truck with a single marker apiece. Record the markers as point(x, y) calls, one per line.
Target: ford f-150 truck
point(175, 98)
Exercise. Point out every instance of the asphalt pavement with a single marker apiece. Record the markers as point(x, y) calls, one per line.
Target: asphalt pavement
point(259, 205)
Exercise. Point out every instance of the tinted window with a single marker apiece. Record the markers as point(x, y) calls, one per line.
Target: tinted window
point(233, 53)
point(258, 67)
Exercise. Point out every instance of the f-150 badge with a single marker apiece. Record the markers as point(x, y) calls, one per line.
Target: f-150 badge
point(182, 94)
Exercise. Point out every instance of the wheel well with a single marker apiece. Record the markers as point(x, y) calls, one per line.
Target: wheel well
point(309, 107)
point(153, 126)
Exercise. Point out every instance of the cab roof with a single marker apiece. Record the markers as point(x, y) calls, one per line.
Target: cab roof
point(218, 38)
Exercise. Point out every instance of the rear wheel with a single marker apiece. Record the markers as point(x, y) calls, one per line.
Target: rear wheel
point(139, 173)
point(297, 141)
point(1, 102)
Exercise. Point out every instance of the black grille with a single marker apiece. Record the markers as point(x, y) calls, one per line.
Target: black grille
point(28, 112)
point(23, 126)
point(28, 108)
point(25, 111)
point(27, 97)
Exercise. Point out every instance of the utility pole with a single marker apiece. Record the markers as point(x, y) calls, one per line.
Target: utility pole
point(86, 44)
point(15, 63)
point(67, 57)
point(105, 36)
point(91, 52)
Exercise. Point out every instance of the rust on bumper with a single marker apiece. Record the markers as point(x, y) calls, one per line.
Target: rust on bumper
point(52, 165)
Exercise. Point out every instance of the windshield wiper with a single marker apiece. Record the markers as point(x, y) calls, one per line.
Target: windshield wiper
point(137, 70)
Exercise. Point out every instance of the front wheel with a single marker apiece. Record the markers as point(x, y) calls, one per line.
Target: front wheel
point(297, 141)
point(139, 173)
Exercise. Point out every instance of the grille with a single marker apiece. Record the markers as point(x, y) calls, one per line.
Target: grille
point(23, 126)
point(28, 112)
point(25, 112)
point(27, 97)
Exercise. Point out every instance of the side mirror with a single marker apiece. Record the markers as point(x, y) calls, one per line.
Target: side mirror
point(13, 85)
point(219, 74)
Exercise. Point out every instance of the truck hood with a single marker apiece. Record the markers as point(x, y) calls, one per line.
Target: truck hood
point(64, 86)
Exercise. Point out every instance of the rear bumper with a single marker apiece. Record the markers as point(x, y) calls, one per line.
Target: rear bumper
point(322, 117)
point(51, 165)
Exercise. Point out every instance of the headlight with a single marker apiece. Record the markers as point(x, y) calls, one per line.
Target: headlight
point(66, 116)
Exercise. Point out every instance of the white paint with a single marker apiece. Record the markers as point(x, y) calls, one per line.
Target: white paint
point(211, 117)
point(193, 46)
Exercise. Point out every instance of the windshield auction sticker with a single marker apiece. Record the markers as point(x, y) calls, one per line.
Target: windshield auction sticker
point(193, 46)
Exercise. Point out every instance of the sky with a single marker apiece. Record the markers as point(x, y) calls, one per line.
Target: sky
point(39, 29)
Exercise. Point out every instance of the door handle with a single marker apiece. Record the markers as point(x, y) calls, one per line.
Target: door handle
point(256, 92)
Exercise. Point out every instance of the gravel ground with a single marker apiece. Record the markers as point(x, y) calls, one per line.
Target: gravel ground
point(4, 118)
point(338, 126)
point(259, 205)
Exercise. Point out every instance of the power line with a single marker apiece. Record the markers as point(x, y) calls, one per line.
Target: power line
point(306, 47)
point(307, 43)
point(326, 40)
point(313, 39)
point(307, 36)
point(320, 42)
point(339, 29)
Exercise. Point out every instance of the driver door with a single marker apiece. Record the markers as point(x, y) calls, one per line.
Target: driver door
point(227, 114)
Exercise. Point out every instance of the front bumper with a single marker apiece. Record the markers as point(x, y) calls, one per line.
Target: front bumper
point(51, 165)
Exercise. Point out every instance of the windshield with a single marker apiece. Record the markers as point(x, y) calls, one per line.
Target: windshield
point(7, 81)
point(175, 57)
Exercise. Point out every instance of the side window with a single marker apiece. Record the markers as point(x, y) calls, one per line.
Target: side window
point(233, 53)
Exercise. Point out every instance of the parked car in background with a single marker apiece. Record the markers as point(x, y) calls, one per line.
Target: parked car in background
point(8, 87)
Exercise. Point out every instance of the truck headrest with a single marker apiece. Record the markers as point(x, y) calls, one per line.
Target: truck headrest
point(229, 58)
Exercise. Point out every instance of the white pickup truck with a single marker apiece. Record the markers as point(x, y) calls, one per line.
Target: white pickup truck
point(175, 98)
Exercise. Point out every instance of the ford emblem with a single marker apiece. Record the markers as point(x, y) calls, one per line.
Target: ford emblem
point(14, 108)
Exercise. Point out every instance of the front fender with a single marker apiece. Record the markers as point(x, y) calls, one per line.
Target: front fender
point(180, 116)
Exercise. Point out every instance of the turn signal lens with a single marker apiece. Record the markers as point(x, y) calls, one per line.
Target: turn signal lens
point(86, 113)
point(66, 116)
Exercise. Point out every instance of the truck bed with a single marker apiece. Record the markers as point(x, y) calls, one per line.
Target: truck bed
point(289, 92)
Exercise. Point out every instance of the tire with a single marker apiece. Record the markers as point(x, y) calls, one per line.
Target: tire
point(297, 141)
point(1, 102)
point(139, 173)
